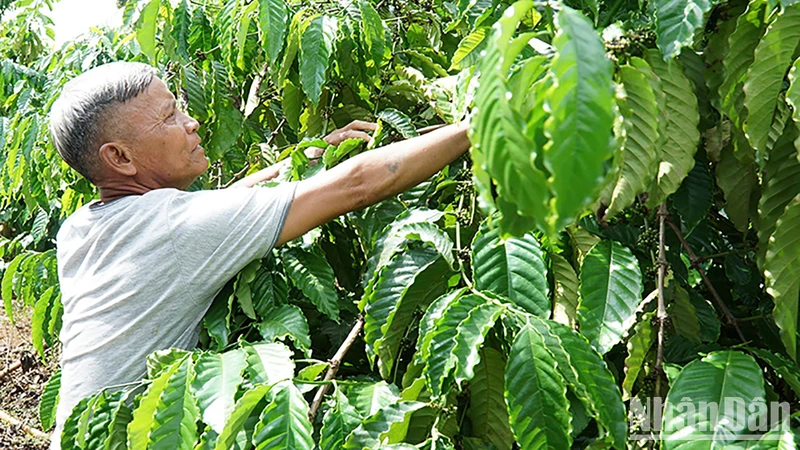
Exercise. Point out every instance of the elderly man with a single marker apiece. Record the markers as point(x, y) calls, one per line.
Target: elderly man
point(139, 267)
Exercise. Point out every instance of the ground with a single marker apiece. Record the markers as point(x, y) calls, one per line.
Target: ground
point(20, 390)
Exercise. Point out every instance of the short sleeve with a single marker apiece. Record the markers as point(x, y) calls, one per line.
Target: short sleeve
point(216, 233)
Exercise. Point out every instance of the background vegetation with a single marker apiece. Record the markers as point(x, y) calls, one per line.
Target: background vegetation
point(626, 226)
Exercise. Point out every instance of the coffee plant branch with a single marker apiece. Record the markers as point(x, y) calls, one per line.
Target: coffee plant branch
point(695, 262)
point(661, 314)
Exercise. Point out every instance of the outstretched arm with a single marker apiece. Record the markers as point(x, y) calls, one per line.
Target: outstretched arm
point(371, 177)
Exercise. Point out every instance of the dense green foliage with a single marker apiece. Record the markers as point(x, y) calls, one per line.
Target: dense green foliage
point(512, 300)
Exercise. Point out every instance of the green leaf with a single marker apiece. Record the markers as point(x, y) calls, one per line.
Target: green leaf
point(750, 26)
point(611, 290)
point(432, 314)
point(783, 366)
point(368, 398)
point(710, 381)
point(737, 179)
point(537, 395)
point(469, 339)
point(340, 419)
point(373, 32)
point(773, 57)
point(682, 118)
point(286, 321)
point(49, 401)
point(8, 284)
point(469, 49)
point(316, 47)
point(782, 273)
point(581, 102)
point(160, 360)
point(284, 423)
point(683, 314)
point(428, 283)
point(399, 121)
point(272, 19)
point(296, 29)
point(677, 22)
point(38, 325)
point(694, 197)
point(310, 271)
point(241, 412)
point(268, 363)
point(640, 152)
point(440, 358)
point(179, 30)
point(587, 376)
point(565, 290)
point(121, 416)
point(368, 433)
point(638, 345)
point(146, 29)
point(487, 409)
point(513, 268)
point(175, 422)
point(144, 414)
point(218, 378)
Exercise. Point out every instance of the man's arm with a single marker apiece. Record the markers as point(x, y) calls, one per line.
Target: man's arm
point(371, 177)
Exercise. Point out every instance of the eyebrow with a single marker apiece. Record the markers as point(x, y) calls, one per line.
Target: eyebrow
point(170, 106)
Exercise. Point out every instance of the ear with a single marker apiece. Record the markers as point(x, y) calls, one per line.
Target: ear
point(116, 158)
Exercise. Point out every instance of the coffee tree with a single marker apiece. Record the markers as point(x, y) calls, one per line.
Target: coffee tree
point(624, 232)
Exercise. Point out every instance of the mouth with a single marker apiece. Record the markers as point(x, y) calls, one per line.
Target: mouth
point(196, 148)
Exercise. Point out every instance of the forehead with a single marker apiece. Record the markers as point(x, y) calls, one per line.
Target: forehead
point(154, 100)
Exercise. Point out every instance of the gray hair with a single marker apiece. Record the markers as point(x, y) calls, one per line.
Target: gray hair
point(78, 122)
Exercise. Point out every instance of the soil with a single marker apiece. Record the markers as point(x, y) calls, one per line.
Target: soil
point(21, 389)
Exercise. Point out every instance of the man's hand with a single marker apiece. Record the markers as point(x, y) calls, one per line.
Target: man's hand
point(354, 130)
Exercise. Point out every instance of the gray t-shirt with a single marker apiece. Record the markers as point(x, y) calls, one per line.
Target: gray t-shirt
point(138, 274)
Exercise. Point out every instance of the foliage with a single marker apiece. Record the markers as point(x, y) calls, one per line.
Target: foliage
point(507, 300)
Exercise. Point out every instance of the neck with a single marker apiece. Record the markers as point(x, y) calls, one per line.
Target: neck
point(113, 191)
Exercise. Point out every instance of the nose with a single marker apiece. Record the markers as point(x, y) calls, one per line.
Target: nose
point(191, 124)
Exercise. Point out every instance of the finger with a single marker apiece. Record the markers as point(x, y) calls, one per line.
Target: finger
point(361, 125)
point(353, 134)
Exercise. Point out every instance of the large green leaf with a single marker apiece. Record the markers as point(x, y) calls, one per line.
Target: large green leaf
point(737, 179)
point(369, 433)
point(587, 376)
point(310, 271)
point(468, 51)
point(49, 401)
point(682, 118)
point(783, 366)
point(440, 359)
point(694, 197)
point(272, 15)
point(399, 122)
point(144, 414)
point(565, 290)
point(390, 291)
point(779, 186)
point(8, 284)
point(581, 102)
point(611, 290)
point(218, 377)
point(640, 152)
point(373, 32)
point(721, 379)
point(340, 419)
point(782, 272)
point(750, 26)
point(104, 416)
point(268, 363)
point(244, 409)
point(487, 409)
point(73, 435)
point(536, 395)
point(316, 47)
point(284, 422)
point(146, 28)
point(286, 321)
point(638, 345)
point(677, 22)
point(175, 422)
point(764, 81)
point(470, 336)
point(513, 268)
point(683, 314)
point(368, 398)
point(428, 321)
point(428, 284)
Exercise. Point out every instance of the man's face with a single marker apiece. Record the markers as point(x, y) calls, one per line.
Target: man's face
point(165, 146)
